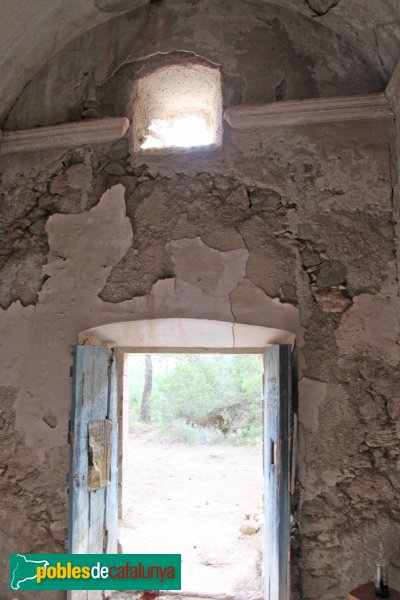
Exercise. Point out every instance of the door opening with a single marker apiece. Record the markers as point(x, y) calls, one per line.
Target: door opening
point(193, 475)
point(97, 422)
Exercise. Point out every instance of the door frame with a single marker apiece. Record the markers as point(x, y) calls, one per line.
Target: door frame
point(181, 335)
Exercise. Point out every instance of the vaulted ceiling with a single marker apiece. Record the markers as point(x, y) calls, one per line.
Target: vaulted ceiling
point(32, 32)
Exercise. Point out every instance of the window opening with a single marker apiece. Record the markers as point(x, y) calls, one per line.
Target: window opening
point(178, 106)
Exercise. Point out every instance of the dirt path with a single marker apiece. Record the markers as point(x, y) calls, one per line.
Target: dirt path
point(192, 500)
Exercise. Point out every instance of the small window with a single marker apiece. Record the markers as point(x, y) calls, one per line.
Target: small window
point(178, 107)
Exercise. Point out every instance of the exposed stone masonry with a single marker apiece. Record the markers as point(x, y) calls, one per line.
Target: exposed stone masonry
point(267, 222)
point(288, 228)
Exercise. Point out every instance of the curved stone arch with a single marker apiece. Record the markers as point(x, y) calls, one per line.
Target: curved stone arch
point(185, 334)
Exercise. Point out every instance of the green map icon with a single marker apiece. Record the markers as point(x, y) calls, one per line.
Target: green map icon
point(24, 570)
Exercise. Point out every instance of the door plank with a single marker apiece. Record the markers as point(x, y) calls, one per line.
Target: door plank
point(78, 529)
point(277, 423)
point(89, 403)
point(112, 490)
point(97, 396)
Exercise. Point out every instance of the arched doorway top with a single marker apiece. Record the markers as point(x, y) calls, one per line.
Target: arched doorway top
point(178, 333)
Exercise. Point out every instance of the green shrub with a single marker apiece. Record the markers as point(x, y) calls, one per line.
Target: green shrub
point(201, 398)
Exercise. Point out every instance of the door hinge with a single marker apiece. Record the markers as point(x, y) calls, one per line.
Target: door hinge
point(71, 371)
point(273, 455)
point(105, 541)
point(70, 437)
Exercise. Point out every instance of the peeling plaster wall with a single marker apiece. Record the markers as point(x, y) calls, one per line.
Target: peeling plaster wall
point(346, 286)
point(267, 53)
point(288, 228)
point(293, 230)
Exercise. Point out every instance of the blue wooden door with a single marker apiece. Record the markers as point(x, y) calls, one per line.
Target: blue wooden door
point(277, 430)
point(93, 513)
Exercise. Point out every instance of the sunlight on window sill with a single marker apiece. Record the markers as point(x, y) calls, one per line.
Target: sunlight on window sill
point(181, 132)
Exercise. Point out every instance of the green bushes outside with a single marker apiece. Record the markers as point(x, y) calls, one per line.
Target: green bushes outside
point(200, 398)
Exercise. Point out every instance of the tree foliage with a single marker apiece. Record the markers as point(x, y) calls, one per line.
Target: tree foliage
point(218, 394)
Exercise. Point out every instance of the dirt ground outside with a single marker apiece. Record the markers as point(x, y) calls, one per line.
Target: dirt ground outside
point(193, 500)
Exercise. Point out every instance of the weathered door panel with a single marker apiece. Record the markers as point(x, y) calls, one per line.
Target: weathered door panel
point(111, 491)
point(92, 402)
point(277, 425)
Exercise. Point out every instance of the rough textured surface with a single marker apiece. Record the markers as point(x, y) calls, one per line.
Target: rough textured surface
point(38, 509)
point(321, 7)
point(296, 229)
point(30, 36)
point(268, 228)
point(80, 80)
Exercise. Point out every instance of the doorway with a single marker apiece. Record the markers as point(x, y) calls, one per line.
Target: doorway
point(93, 516)
point(194, 434)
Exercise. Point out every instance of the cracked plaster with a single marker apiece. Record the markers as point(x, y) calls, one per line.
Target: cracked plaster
point(216, 273)
point(77, 270)
point(312, 394)
point(325, 177)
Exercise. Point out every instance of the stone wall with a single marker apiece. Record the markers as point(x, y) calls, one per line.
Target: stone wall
point(286, 228)
point(32, 34)
point(266, 52)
